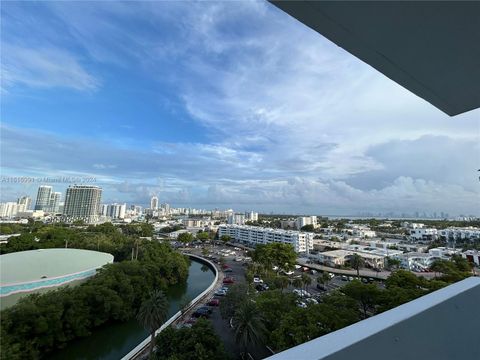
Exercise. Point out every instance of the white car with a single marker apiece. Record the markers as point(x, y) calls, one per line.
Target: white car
point(301, 304)
point(238, 259)
point(289, 272)
point(311, 301)
point(297, 267)
point(220, 292)
point(275, 268)
point(257, 280)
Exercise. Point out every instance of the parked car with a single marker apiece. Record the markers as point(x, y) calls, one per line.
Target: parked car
point(238, 259)
point(228, 270)
point(228, 280)
point(213, 302)
point(304, 269)
point(220, 293)
point(205, 308)
point(344, 278)
point(350, 278)
point(257, 280)
point(275, 268)
point(225, 266)
point(313, 272)
point(331, 275)
point(301, 293)
point(301, 304)
point(297, 267)
point(321, 287)
point(311, 301)
point(288, 272)
point(201, 313)
point(261, 287)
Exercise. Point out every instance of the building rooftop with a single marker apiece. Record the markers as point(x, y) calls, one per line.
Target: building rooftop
point(32, 265)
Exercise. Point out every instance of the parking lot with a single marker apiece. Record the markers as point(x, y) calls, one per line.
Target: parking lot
point(235, 270)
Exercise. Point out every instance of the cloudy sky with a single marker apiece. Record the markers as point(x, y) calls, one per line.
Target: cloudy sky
point(212, 104)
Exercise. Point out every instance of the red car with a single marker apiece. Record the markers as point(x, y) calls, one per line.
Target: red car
point(228, 281)
point(213, 302)
point(225, 266)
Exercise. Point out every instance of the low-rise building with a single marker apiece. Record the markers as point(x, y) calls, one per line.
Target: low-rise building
point(253, 235)
point(472, 256)
point(457, 233)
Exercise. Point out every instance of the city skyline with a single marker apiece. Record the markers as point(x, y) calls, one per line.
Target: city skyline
point(216, 112)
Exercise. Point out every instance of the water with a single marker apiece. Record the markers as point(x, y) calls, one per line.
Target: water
point(111, 342)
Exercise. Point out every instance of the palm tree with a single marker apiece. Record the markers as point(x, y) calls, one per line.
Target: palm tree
point(306, 280)
point(356, 261)
point(248, 324)
point(153, 313)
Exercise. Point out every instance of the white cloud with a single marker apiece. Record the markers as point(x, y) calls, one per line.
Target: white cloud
point(45, 68)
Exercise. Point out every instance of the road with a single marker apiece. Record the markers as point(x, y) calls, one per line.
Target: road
point(221, 326)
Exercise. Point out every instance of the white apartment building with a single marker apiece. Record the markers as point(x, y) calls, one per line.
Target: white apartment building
point(251, 216)
point(82, 202)
point(24, 203)
point(302, 242)
point(306, 220)
point(456, 233)
point(114, 211)
point(423, 234)
point(8, 209)
point(236, 219)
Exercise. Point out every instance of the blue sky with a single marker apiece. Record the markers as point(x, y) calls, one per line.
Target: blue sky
point(220, 104)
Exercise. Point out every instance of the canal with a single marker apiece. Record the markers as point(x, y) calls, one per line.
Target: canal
point(113, 341)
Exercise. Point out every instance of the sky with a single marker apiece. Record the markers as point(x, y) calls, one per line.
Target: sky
point(219, 105)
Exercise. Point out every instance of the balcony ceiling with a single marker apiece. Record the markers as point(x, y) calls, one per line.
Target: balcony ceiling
point(432, 48)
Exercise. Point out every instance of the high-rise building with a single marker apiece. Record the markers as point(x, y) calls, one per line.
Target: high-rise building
point(237, 219)
point(43, 198)
point(82, 202)
point(306, 220)
point(154, 203)
point(24, 203)
point(251, 216)
point(114, 211)
point(54, 204)
point(8, 209)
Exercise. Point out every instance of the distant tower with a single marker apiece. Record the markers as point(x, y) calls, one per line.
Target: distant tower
point(54, 204)
point(24, 203)
point(154, 203)
point(43, 198)
point(82, 202)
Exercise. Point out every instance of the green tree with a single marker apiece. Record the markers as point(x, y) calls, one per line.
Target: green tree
point(152, 314)
point(367, 295)
point(185, 237)
point(198, 342)
point(237, 294)
point(308, 227)
point(248, 324)
point(357, 262)
point(282, 255)
point(323, 278)
point(225, 239)
point(203, 236)
point(393, 263)
point(306, 280)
